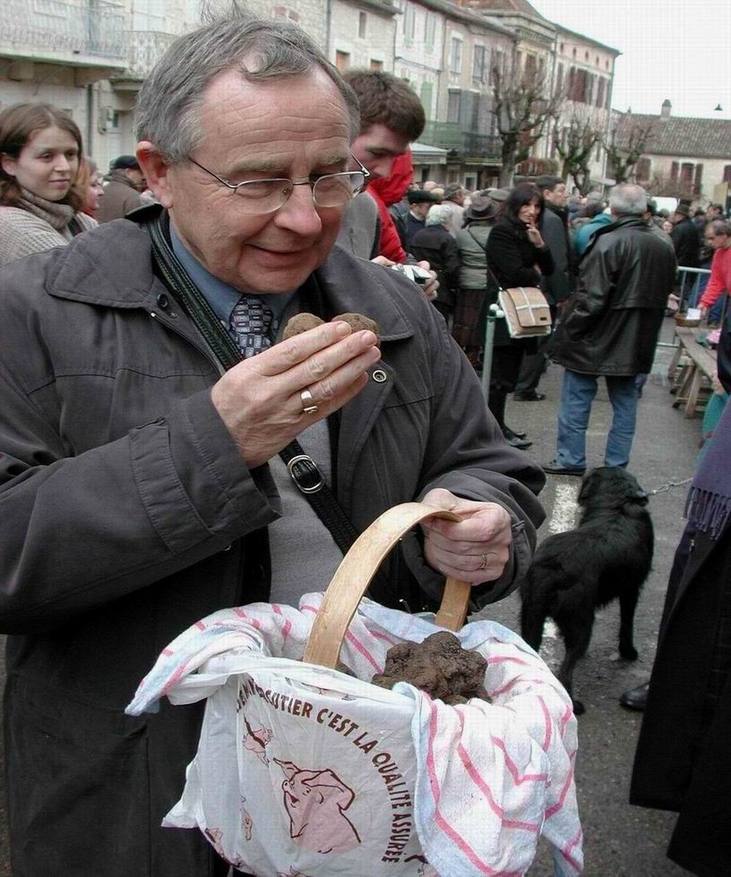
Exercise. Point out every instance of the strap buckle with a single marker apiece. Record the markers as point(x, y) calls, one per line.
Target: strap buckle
point(305, 474)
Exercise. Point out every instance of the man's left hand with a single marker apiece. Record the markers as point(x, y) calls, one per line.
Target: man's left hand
point(431, 286)
point(474, 549)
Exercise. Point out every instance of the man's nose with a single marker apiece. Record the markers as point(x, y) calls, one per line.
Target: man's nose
point(300, 212)
point(382, 166)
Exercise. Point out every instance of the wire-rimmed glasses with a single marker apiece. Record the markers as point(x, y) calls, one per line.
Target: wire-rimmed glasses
point(268, 196)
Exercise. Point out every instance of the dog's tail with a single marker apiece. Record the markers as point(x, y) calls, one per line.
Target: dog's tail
point(535, 608)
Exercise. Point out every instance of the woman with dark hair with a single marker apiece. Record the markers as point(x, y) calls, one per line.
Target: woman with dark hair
point(40, 150)
point(516, 256)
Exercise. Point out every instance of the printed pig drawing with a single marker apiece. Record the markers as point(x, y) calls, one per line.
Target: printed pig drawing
point(256, 741)
point(315, 801)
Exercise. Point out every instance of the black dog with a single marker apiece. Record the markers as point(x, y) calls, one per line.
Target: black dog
point(607, 556)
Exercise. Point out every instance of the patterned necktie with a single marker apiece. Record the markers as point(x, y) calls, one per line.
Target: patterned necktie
point(250, 323)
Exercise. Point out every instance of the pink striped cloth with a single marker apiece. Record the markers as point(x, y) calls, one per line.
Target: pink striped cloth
point(491, 778)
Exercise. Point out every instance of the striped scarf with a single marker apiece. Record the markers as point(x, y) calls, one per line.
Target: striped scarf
point(708, 507)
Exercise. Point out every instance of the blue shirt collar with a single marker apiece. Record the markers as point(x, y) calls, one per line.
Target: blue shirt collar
point(220, 296)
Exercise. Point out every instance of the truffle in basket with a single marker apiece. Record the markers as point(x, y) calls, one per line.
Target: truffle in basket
point(438, 666)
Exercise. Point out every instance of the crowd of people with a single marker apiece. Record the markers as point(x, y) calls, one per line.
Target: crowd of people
point(147, 411)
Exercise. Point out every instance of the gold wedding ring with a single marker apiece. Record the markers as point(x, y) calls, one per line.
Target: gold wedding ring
point(483, 562)
point(308, 403)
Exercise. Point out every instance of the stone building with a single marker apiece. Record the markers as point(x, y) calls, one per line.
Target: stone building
point(684, 156)
point(445, 52)
point(583, 71)
point(90, 57)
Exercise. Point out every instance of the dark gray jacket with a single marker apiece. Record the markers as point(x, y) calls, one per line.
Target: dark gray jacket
point(556, 285)
point(611, 323)
point(120, 198)
point(127, 514)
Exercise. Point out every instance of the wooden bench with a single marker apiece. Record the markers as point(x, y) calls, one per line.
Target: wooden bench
point(691, 372)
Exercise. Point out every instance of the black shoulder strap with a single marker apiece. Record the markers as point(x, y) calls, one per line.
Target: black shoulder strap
point(301, 467)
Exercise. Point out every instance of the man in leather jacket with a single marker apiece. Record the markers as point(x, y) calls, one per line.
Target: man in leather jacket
point(610, 328)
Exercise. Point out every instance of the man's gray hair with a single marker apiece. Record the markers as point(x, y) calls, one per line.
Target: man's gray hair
point(719, 226)
point(439, 214)
point(169, 101)
point(627, 199)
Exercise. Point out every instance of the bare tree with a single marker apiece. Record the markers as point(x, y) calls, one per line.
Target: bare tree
point(523, 106)
point(575, 144)
point(625, 143)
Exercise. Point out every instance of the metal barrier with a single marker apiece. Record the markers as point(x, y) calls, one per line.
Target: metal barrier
point(689, 285)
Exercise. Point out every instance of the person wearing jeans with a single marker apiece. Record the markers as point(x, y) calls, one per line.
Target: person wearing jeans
point(577, 394)
point(609, 328)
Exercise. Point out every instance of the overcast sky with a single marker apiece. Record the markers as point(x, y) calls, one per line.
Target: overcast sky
point(676, 49)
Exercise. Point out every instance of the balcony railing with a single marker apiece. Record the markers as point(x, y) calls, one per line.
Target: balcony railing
point(451, 135)
point(82, 33)
point(145, 48)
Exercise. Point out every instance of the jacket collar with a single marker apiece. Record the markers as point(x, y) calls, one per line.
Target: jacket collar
point(110, 266)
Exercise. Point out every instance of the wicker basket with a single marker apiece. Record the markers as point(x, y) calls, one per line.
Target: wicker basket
point(682, 320)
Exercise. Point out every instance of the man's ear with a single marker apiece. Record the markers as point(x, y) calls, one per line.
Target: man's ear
point(156, 170)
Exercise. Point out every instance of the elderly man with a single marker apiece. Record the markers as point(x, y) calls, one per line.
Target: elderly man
point(435, 244)
point(610, 327)
point(453, 201)
point(122, 191)
point(141, 480)
point(419, 203)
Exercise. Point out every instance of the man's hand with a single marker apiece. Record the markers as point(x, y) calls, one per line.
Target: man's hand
point(259, 399)
point(431, 286)
point(474, 549)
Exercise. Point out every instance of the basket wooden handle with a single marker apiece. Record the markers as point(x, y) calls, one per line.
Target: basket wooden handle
point(354, 574)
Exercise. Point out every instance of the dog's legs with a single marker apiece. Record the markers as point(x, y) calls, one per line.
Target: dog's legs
point(532, 618)
point(576, 641)
point(627, 606)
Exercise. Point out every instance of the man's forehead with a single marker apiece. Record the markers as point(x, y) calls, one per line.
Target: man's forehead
point(380, 138)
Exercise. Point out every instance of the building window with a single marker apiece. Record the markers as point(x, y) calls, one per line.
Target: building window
point(455, 55)
point(498, 61)
point(427, 90)
point(586, 56)
point(376, 65)
point(642, 170)
point(479, 65)
point(674, 172)
point(454, 103)
point(601, 85)
point(362, 25)
point(409, 23)
point(560, 48)
point(698, 181)
point(430, 29)
point(574, 52)
point(686, 175)
point(559, 78)
point(727, 174)
point(342, 60)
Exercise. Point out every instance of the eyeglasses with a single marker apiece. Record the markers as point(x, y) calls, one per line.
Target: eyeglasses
point(268, 196)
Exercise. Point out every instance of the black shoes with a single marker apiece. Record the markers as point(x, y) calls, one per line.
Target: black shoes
point(635, 698)
point(553, 468)
point(528, 396)
point(516, 439)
